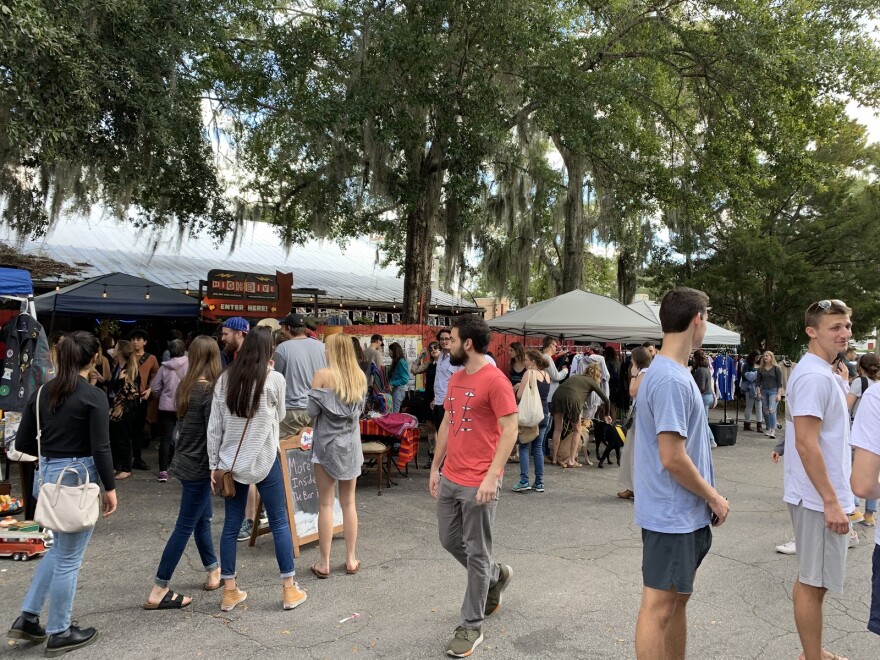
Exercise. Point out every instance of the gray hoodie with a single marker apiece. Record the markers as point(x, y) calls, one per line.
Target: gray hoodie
point(336, 441)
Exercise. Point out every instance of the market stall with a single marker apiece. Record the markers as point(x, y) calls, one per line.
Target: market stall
point(27, 365)
point(580, 316)
point(118, 295)
point(715, 334)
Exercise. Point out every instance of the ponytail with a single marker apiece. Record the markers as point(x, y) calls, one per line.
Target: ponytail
point(75, 352)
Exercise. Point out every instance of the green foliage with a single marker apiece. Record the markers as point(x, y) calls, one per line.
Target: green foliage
point(99, 101)
point(804, 235)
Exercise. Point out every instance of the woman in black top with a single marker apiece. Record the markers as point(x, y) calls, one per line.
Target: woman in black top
point(124, 395)
point(517, 362)
point(75, 437)
point(190, 465)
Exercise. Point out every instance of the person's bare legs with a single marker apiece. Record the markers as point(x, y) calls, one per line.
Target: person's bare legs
point(661, 629)
point(326, 497)
point(574, 446)
point(557, 435)
point(349, 522)
point(808, 602)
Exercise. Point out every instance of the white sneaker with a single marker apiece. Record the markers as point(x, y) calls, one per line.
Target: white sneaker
point(853, 539)
point(788, 548)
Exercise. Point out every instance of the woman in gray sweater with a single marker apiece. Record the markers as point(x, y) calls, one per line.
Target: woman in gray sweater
point(190, 466)
point(335, 402)
point(770, 389)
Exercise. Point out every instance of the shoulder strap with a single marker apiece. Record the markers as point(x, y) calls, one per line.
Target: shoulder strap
point(239, 443)
point(39, 434)
point(864, 382)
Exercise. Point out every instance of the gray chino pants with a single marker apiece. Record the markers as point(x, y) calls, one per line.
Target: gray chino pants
point(466, 533)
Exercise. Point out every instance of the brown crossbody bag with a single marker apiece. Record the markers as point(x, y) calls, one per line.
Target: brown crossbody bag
point(226, 486)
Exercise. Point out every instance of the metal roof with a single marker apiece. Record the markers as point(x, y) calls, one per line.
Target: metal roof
point(100, 245)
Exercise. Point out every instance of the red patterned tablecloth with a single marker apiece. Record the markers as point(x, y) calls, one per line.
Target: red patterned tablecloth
point(409, 440)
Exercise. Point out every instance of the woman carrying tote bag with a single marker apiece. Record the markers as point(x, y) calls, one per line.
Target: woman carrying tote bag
point(243, 432)
point(75, 441)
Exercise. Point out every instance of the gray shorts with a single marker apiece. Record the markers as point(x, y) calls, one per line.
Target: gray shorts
point(671, 560)
point(821, 553)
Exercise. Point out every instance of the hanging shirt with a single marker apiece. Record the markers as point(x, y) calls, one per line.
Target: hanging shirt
point(725, 375)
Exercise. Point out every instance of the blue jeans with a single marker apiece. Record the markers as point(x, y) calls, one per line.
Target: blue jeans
point(57, 574)
point(535, 448)
point(543, 430)
point(272, 491)
point(194, 518)
point(870, 505)
point(753, 400)
point(397, 396)
point(708, 398)
point(769, 399)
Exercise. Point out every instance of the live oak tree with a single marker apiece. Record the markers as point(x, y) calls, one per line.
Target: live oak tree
point(99, 102)
point(360, 117)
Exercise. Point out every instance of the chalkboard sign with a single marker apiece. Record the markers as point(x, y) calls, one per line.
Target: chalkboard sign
point(301, 489)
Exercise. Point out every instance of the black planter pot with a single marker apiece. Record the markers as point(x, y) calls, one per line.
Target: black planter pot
point(724, 432)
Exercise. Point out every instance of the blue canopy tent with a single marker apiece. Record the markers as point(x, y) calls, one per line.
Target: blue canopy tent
point(119, 296)
point(15, 282)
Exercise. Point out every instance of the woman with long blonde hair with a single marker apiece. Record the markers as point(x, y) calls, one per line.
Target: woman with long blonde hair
point(336, 401)
point(770, 390)
point(124, 394)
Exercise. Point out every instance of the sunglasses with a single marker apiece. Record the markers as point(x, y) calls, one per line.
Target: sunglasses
point(826, 304)
point(445, 338)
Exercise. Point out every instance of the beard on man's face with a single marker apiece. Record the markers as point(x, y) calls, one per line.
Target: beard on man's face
point(458, 358)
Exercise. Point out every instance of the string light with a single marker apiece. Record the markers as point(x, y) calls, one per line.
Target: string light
point(104, 295)
point(187, 288)
point(58, 285)
point(148, 294)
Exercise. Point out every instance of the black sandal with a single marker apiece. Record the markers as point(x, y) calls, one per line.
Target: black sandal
point(170, 601)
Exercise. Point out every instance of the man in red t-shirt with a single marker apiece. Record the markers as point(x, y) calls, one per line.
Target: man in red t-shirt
point(476, 436)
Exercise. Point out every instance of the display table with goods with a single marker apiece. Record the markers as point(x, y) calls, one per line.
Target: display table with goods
point(394, 429)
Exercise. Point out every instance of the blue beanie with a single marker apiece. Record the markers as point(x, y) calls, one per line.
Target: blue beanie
point(237, 323)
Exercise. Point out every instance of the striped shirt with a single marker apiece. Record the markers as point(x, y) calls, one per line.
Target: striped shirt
point(259, 448)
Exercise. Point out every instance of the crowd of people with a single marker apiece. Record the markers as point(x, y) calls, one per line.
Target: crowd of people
point(222, 414)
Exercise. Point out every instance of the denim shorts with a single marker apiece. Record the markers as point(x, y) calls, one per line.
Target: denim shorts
point(672, 560)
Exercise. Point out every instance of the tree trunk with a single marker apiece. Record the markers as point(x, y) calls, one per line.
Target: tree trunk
point(627, 281)
point(421, 224)
point(575, 227)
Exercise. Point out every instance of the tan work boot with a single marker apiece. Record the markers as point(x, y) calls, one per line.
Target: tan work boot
point(231, 598)
point(294, 596)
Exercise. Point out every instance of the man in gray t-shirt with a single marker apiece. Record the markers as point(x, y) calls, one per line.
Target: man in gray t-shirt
point(375, 350)
point(298, 359)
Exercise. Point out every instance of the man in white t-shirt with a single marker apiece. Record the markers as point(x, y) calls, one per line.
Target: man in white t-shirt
point(865, 476)
point(817, 468)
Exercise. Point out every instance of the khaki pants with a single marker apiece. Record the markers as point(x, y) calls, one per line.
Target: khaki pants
point(295, 420)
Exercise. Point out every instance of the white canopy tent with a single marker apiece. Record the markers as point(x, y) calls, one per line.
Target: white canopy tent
point(715, 334)
point(581, 316)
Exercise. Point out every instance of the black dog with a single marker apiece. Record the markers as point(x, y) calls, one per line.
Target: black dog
point(607, 434)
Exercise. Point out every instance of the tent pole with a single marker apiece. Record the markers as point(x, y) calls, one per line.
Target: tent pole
point(52, 320)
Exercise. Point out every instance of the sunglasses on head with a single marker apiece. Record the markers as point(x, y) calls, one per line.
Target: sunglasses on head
point(826, 304)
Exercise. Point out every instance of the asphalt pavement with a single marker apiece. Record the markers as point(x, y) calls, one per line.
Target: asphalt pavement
point(575, 592)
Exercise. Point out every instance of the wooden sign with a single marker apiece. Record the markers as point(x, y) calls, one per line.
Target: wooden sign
point(251, 295)
point(301, 490)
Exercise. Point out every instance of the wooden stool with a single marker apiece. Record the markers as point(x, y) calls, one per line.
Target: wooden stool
point(378, 451)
